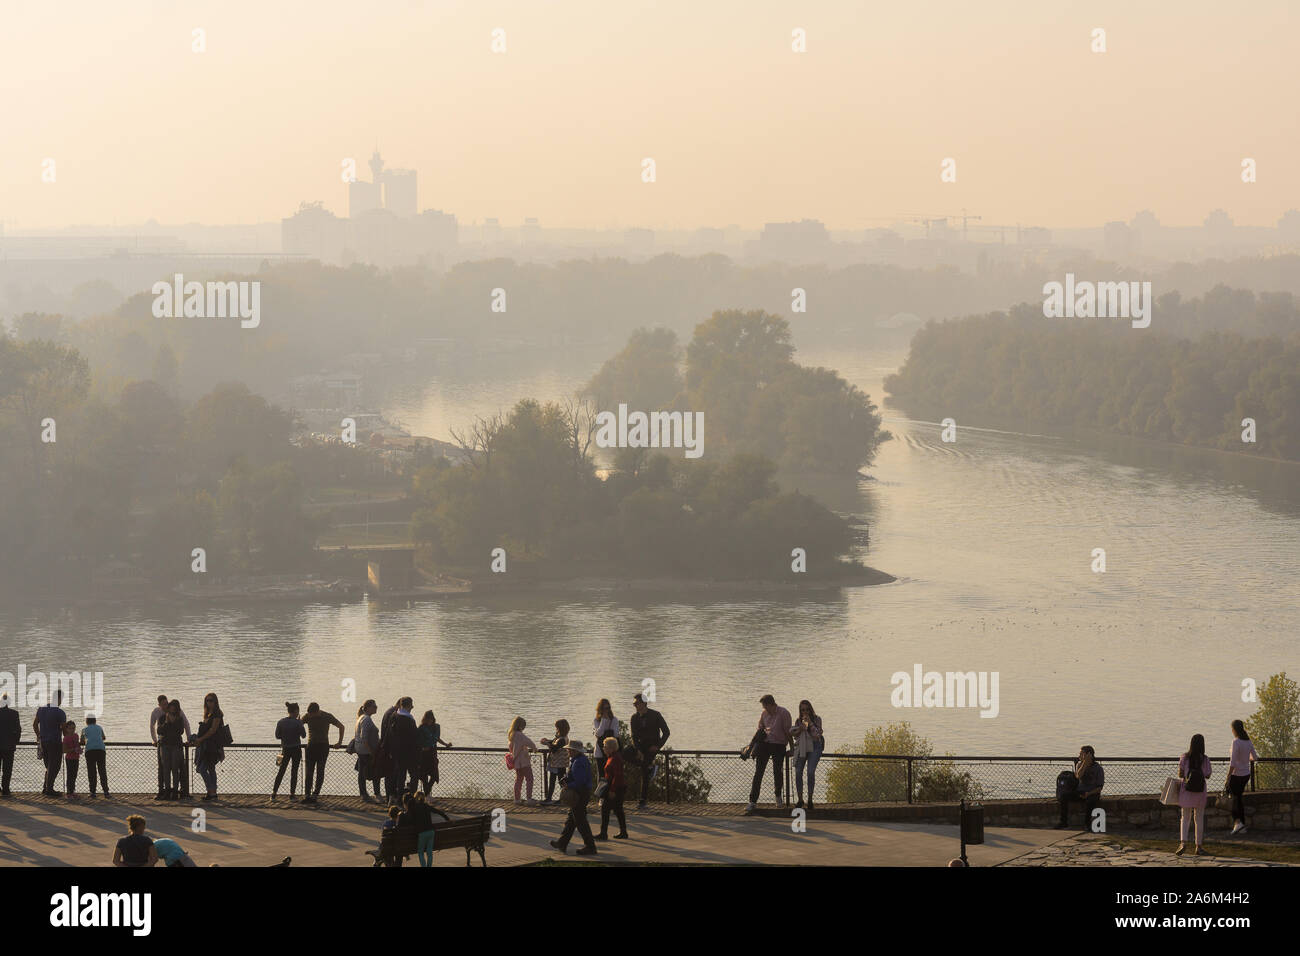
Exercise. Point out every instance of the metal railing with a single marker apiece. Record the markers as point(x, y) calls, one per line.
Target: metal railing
point(684, 776)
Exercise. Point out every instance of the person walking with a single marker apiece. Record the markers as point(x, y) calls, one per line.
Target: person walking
point(155, 718)
point(289, 731)
point(579, 780)
point(318, 724)
point(1239, 769)
point(48, 725)
point(520, 758)
point(649, 734)
point(135, 849)
point(209, 749)
point(92, 739)
point(366, 736)
point(557, 758)
point(774, 723)
point(605, 725)
point(11, 731)
point(1193, 770)
point(809, 744)
point(615, 791)
point(170, 736)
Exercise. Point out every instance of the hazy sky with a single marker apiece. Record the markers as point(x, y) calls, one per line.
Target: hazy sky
point(743, 130)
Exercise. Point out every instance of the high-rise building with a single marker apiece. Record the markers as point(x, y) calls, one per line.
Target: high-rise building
point(400, 192)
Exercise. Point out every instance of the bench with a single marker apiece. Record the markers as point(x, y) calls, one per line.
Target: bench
point(471, 833)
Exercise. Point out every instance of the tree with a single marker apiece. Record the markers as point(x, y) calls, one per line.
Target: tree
point(880, 781)
point(645, 375)
point(1275, 730)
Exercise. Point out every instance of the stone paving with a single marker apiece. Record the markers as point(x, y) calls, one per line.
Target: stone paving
point(1095, 849)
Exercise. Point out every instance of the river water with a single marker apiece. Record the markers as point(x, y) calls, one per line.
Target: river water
point(991, 538)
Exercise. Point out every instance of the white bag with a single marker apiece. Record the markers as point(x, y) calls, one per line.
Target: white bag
point(1172, 791)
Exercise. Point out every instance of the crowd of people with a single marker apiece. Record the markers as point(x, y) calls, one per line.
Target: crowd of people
point(396, 757)
point(1190, 789)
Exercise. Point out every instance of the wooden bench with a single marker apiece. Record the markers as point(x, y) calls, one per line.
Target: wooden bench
point(471, 833)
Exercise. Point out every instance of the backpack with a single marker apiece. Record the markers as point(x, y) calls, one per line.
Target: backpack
point(1066, 783)
point(1195, 782)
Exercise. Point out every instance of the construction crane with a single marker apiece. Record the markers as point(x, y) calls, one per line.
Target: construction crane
point(929, 221)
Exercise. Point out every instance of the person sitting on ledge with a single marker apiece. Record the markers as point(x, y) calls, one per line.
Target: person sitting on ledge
point(1091, 778)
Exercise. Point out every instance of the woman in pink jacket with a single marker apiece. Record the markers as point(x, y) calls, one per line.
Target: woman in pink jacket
point(1193, 771)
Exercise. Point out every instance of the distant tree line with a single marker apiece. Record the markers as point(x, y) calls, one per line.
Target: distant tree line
point(1021, 369)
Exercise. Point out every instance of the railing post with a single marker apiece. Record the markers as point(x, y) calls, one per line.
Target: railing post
point(909, 779)
point(668, 778)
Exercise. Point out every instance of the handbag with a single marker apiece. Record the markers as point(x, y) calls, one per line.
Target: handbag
point(1172, 791)
point(568, 798)
point(352, 746)
point(510, 761)
point(602, 788)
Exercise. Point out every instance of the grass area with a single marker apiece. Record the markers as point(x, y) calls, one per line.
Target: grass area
point(1268, 852)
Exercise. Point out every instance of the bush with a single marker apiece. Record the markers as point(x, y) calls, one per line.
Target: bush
point(885, 781)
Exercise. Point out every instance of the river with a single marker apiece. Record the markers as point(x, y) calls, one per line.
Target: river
point(991, 538)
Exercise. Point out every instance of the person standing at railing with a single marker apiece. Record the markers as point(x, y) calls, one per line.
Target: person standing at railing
point(48, 725)
point(11, 731)
point(367, 745)
point(289, 731)
point(649, 734)
point(208, 747)
point(605, 725)
point(71, 756)
point(557, 757)
point(1193, 770)
point(1243, 755)
point(775, 724)
point(808, 747)
point(1091, 778)
point(398, 734)
point(159, 713)
point(92, 739)
point(170, 736)
point(428, 736)
point(318, 724)
point(519, 759)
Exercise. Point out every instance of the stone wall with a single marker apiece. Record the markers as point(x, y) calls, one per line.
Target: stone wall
point(1265, 810)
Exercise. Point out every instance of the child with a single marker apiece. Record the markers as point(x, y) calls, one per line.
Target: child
point(71, 755)
point(92, 741)
point(557, 760)
point(521, 746)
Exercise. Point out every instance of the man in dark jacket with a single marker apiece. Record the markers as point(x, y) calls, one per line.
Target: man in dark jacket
point(10, 731)
point(399, 736)
point(48, 726)
point(649, 733)
point(579, 780)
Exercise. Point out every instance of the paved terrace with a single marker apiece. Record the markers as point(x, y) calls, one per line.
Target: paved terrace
point(251, 831)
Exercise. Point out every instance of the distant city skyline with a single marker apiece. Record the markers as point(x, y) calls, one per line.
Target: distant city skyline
point(743, 130)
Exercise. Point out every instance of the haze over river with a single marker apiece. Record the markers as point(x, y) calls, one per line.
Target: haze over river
point(991, 539)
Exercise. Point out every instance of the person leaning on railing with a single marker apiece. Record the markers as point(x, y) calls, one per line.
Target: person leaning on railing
point(1090, 779)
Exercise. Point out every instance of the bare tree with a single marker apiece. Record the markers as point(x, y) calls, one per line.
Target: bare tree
point(480, 440)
